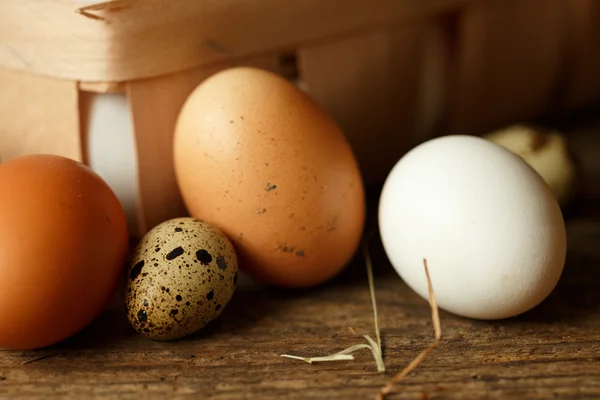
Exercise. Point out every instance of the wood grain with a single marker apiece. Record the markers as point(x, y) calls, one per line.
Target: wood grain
point(38, 115)
point(582, 60)
point(155, 105)
point(553, 351)
point(369, 84)
point(507, 62)
point(132, 39)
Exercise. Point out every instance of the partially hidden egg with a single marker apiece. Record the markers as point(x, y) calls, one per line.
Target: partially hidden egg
point(257, 158)
point(546, 152)
point(489, 227)
point(182, 275)
point(63, 244)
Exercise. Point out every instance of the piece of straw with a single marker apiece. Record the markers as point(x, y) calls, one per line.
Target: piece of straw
point(435, 317)
point(375, 347)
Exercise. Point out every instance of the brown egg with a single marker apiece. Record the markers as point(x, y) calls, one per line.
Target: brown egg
point(256, 157)
point(63, 243)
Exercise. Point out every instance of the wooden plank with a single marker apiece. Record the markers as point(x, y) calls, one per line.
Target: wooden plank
point(551, 352)
point(508, 58)
point(102, 87)
point(369, 84)
point(38, 115)
point(582, 58)
point(131, 39)
point(433, 79)
point(155, 105)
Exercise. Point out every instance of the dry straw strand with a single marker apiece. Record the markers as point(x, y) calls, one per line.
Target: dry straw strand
point(435, 317)
point(375, 347)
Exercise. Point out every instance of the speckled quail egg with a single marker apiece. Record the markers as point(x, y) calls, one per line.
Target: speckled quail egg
point(181, 276)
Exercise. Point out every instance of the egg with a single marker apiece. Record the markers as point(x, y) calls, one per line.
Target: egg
point(546, 152)
point(182, 275)
point(63, 245)
point(258, 159)
point(489, 227)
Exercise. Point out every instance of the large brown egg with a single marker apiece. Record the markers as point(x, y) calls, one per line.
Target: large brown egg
point(258, 159)
point(63, 243)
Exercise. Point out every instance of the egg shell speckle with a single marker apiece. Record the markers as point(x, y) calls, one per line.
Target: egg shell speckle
point(181, 276)
point(260, 160)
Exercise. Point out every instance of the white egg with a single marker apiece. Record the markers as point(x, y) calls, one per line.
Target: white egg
point(490, 228)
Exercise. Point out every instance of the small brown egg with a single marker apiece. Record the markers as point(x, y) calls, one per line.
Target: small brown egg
point(260, 160)
point(182, 275)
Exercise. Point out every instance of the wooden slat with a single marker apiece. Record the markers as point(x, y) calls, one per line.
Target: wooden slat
point(433, 83)
point(102, 87)
point(131, 39)
point(155, 105)
point(582, 59)
point(38, 115)
point(369, 85)
point(507, 62)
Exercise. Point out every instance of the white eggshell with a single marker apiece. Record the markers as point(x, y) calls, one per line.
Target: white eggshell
point(491, 230)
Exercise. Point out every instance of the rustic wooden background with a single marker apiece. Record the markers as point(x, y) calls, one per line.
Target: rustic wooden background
point(550, 352)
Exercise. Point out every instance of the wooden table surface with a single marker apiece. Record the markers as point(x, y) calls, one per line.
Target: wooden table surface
point(550, 352)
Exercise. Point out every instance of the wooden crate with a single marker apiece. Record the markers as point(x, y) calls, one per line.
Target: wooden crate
point(392, 72)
